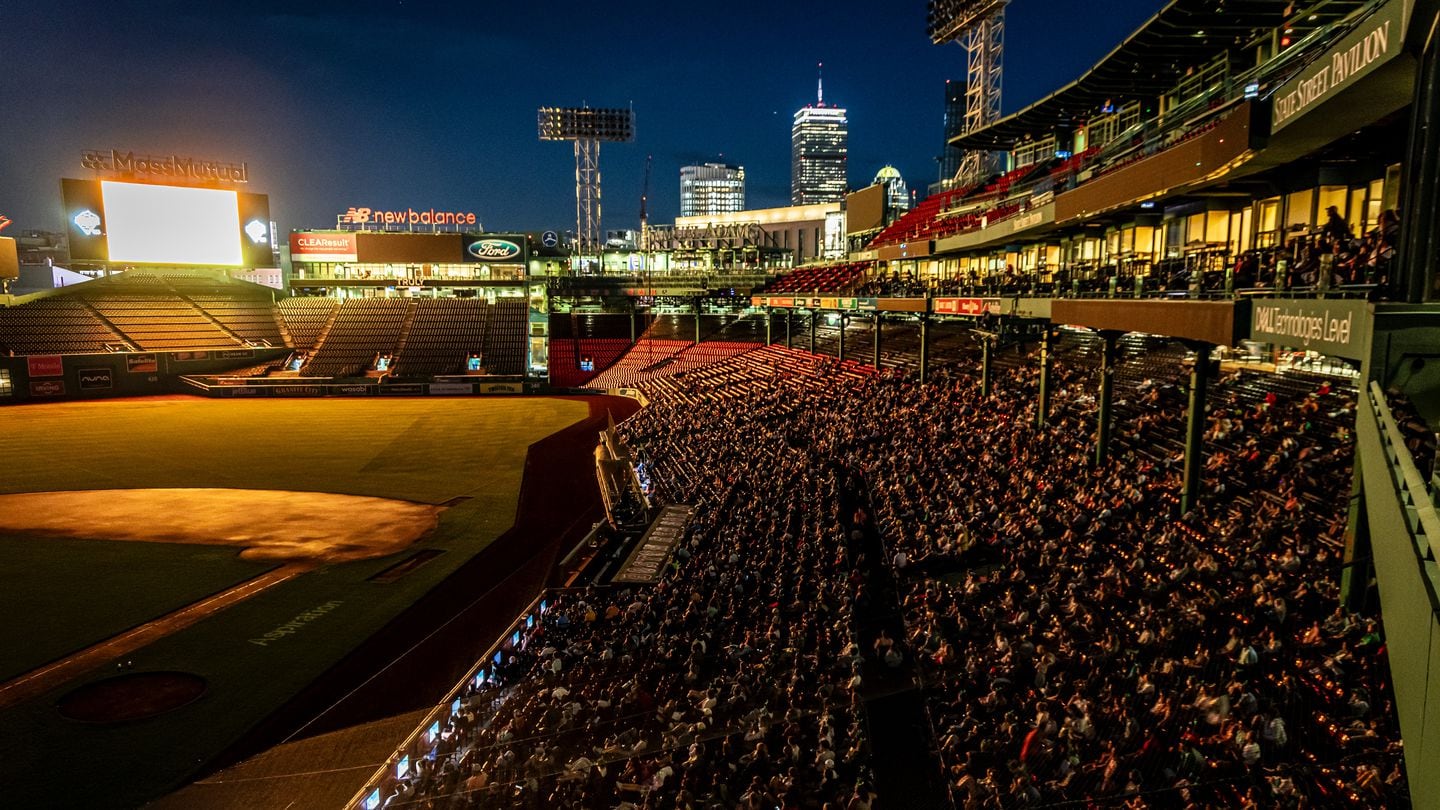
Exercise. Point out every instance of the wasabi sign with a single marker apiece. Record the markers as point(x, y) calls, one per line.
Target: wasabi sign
point(1336, 328)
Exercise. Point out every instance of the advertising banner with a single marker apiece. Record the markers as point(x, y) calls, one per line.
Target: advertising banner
point(495, 249)
point(141, 363)
point(235, 354)
point(47, 388)
point(322, 247)
point(257, 248)
point(967, 306)
point(45, 365)
point(1374, 42)
point(95, 379)
point(1338, 328)
point(190, 357)
point(502, 388)
point(407, 390)
point(85, 220)
point(446, 389)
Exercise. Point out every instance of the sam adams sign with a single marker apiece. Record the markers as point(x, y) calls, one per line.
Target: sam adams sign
point(1336, 328)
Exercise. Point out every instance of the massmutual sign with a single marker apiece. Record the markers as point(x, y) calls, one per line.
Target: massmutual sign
point(1374, 42)
point(170, 167)
point(1338, 328)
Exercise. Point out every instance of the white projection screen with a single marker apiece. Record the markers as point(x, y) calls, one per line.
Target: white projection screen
point(171, 225)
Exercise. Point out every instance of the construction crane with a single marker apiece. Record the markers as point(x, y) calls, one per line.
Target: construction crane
point(645, 199)
point(645, 230)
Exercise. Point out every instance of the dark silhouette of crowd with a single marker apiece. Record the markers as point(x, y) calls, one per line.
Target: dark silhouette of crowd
point(1075, 637)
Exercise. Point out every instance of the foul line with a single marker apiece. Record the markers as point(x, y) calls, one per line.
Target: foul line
point(37, 682)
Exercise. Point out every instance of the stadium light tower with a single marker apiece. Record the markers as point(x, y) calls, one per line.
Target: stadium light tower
point(979, 27)
point(587, 127)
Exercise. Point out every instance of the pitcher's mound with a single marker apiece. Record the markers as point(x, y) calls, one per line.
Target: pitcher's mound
point(267, 524)
point(132, 696)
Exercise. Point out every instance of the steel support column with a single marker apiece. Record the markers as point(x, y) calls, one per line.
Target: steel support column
point(924, 348)
point(769, 325)
point(840, 352)
point(1107, 394)
point(697, 321)
point(1042, 406)
point(789, 316)
point(986, 350)
point(878, 323)
point(814, 324)
point(1195, 427)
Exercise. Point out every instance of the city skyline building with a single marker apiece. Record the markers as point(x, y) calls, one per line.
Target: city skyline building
point(819, 151)
point(897, 193)
point(954, 126)
point(711, 188)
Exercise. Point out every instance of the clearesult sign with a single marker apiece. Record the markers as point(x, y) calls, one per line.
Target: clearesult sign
point(1374, 42)
point(1338, 328)
point(323, 247)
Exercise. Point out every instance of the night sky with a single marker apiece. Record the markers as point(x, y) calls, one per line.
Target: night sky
point(425, 104)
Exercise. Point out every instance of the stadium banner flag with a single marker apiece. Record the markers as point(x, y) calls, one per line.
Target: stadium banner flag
point(47, 388)
point(95, 379)
point(142, 363)
point(447, 389)
point(45, 365)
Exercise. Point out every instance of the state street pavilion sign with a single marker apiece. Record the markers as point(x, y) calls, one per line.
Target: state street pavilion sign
point(1373, 43)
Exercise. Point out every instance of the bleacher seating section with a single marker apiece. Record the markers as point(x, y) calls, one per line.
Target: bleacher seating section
point(251, 319)
point(829, 278)
point(305, 318)
point(442, 336)
point(162, 322)
point(55, 326)
point(363, 329)
point(507, 336)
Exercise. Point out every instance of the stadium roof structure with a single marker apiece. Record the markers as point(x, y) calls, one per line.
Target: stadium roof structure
point(1153, 59)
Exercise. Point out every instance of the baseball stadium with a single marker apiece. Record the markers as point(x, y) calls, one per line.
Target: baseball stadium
point(1103, 476)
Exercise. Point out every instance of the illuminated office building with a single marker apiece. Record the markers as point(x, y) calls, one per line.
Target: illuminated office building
point(819, 141)
point(711, 188)
point(897, 194)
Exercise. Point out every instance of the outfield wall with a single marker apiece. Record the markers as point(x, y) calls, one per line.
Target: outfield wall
point(60, 377)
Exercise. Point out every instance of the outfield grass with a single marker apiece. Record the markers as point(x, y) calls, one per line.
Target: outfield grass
point(427, 450)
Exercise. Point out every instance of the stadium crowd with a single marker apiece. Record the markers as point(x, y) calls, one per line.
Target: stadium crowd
point(1073, 636)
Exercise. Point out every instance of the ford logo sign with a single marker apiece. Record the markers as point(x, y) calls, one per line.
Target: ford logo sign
point(494, 249)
